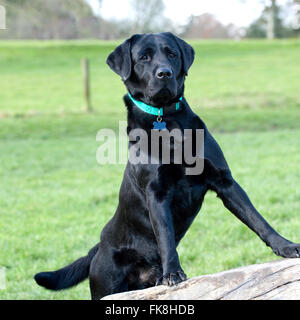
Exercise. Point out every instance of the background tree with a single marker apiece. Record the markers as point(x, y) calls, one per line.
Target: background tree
point(266, 24)
point(46, 19)
point(75, 19)
point(283, 25)
point(148, 16)
point(207, 26)
point(296, 19)
point(272, 19)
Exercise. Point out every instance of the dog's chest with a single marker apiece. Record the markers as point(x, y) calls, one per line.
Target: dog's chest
point(186, 204)
point(188, 197)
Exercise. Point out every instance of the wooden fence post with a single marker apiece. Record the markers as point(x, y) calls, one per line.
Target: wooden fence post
point(86, 85)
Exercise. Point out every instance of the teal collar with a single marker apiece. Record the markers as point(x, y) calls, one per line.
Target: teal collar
point(155, 110)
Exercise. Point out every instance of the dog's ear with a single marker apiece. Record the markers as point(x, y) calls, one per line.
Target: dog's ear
point(187, 52)
point(120, 59)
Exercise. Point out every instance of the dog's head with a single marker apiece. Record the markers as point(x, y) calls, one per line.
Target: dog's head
point(153, 66)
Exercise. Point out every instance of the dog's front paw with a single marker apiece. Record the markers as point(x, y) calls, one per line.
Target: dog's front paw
point(291, 250)
point(171, 279)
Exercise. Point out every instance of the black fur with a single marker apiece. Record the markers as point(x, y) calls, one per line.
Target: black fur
point(68, 276)
point(158, 203)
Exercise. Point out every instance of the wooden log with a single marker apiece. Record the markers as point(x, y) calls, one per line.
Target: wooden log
point(277, 280)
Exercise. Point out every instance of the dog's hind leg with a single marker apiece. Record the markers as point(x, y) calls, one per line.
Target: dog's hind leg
point(105, 276)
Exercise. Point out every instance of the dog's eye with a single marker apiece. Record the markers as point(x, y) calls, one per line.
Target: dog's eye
point(171, 55)
point(144, 57)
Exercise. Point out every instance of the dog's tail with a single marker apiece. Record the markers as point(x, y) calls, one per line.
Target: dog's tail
point(68, 276)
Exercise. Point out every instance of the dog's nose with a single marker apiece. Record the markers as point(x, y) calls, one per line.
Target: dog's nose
point(164, 73)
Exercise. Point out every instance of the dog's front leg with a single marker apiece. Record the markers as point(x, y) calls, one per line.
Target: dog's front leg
point(162, 224)
point(236, 200)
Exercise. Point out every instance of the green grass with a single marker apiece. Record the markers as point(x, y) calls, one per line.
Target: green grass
point(45, 77)
point(55, 198)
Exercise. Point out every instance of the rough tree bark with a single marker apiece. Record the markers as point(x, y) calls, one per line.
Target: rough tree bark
point(278, 280)
point(271, 20)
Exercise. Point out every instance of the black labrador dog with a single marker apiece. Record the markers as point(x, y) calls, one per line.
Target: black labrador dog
point(158, 202)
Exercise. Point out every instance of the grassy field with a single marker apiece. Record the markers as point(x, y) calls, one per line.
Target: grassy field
point(55, 198)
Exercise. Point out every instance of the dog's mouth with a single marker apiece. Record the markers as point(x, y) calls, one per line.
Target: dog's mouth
point(162, 97)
